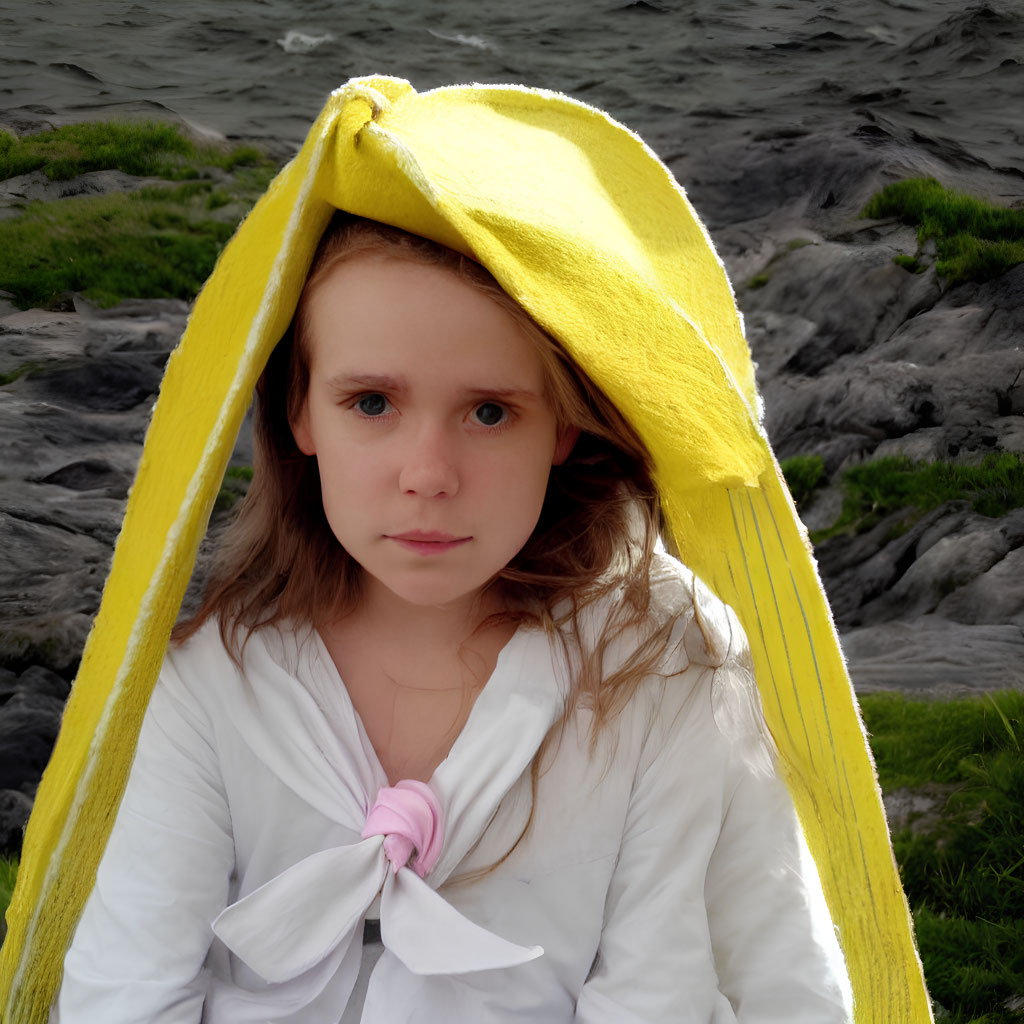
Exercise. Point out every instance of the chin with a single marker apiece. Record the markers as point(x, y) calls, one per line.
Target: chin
point(422, 593)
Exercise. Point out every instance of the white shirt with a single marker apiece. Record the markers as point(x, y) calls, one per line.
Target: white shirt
point(664, 877)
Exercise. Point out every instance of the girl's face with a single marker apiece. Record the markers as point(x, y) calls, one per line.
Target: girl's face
point(427, 414)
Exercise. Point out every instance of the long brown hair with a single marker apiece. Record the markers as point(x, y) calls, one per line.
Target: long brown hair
point(595, 537)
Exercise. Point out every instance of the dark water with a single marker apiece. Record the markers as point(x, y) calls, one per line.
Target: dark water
point(684, 73)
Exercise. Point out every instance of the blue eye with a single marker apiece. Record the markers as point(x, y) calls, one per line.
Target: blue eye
point(490, 414)
point(372, 405)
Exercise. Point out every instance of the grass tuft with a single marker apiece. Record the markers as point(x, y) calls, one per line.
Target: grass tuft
point(8, 876)
point(873, 490)
point(147, 148)
point(915, 742)
point(235, 485)
point(803, 475)
point(909, 263)
point(976, 241)
point(19, 371)
point(159, 242)
point(964, 872)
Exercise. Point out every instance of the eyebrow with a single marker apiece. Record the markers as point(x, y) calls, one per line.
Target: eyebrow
point(374, 381)
point(346, 382)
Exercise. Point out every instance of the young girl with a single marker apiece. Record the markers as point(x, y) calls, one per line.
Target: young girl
point(450, 738)
point(448, 556)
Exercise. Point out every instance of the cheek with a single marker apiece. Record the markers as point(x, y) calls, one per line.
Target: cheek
point(347, 481)
point(518, 491)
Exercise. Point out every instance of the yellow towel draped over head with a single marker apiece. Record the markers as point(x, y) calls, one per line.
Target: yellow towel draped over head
point(588, 231)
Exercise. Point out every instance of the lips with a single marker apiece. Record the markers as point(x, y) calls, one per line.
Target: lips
point(427, 536)
point(427, 542)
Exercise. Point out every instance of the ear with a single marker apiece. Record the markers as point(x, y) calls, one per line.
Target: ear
point(301, 432)
point(567, 438)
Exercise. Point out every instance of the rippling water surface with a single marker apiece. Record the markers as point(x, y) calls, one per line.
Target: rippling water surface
point(684, 73)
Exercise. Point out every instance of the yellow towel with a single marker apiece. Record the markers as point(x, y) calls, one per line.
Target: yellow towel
point(581, 223)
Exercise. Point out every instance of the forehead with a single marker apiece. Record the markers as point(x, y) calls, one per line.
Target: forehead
point(389, 311)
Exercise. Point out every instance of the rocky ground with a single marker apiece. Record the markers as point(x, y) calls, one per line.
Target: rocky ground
point(857, 357)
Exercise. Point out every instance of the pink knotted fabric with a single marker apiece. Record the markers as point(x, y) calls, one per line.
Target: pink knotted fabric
point(408, 815)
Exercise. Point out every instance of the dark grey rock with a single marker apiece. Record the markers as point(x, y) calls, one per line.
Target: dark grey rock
point(930, 655)
point(855, 296)
point(859, 359)
point(945, 565)
point(71, 432)
point(918, 808)
point(90, 475)
point(15, 808)
point(116, 385)
point(16, 192)
point(29, 724)
point(994, 596)
point(859, 568)
point(34, 680)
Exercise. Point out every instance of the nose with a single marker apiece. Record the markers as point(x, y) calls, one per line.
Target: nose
point(429, 467)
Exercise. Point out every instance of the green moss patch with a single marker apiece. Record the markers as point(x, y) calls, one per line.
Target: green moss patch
point(909, 263)
point(159, 242)
point(963, 871)
point(975, 240)
point(19, 371)
point(994, 487)
point(8, 876)
point(804, 474)
point(146, 148)
point(920, 741)
point(234, 486)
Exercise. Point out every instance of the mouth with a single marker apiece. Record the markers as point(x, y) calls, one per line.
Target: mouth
point(427, 542)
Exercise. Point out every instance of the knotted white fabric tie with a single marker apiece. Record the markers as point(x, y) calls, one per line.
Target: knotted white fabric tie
point(299, 918)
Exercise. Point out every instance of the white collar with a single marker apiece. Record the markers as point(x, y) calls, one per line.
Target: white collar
point(296, 929)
